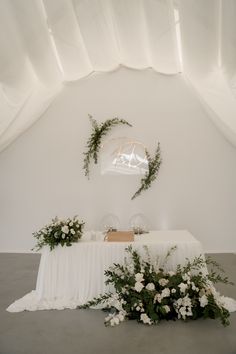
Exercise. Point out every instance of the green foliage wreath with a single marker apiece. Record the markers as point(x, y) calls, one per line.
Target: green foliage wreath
point(153, 169)
point(94, 141)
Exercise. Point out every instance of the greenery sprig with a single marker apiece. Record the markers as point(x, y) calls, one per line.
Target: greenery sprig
point(153, 169)
point(94, 141)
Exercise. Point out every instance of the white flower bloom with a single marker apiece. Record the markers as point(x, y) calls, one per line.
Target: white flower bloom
point(112, 322)
point(116, 320)
point(183, 312)
point(138, 286)
point(165, 292)
point(139, 277)
point(163, 281)
point(186, 277)
point(203, 301)
point(72, 231)
point(145, 319)
point(150, 286)
point(173, 291)
point(121, 317)
point(138, 308)
point(186, 301)
point(157, 298)
point(166, 308)
point(71, 223)
point(182, 287)
point(108, 317)
point(65, 229)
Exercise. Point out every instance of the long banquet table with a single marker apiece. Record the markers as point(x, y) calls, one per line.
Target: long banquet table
point(70, 276)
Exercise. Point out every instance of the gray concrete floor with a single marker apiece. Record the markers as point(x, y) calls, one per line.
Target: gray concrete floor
point(83, 332)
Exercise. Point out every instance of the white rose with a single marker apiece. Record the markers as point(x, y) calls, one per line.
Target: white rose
point(182, 287)
point(203, 301)
point(163, 282)
point(145, 319)
point(165, 292)
point(138, 286)
point(150, 286)
point(139, 277)
point(186, 277)
point(183, 312)
point(112, 322)
point(121, 317)
point(65, 229)
point(157, 298)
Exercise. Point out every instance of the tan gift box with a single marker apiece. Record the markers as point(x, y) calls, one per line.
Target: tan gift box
point(119, 236)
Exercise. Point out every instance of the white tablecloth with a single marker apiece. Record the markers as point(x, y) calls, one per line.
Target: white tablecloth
point(70, 276)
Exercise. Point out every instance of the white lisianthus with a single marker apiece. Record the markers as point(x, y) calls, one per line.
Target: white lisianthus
point(145, 319)
point(138, 286)
point(165, 292)
point(72, 231)
point(166, 308)
point(183, 287)
point(150, 286)
point(203, 301)
point(163, 281)
point(139, 277)
point(65, 229)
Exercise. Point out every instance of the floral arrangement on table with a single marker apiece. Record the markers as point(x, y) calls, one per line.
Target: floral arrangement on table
point(59, 232)
point(154, 164)
point(149, 294)
point(95, 139)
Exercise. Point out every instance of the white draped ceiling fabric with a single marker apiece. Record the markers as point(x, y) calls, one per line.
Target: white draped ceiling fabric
point(46, 43)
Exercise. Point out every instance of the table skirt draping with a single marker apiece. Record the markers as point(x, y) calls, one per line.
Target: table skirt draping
point(71, 276)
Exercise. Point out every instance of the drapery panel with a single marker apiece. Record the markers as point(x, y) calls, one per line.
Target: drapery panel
point(45, 43)
point(208, 35)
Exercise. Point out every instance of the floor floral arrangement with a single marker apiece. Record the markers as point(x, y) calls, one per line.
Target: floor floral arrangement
point(147, 293)
point(59, 232)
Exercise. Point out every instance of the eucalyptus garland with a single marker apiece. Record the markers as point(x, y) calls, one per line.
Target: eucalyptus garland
point(94, 142)
point(153, 169)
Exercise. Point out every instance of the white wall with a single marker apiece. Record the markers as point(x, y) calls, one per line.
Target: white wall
point(41, 173)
